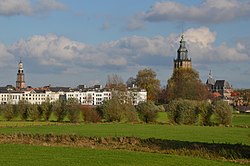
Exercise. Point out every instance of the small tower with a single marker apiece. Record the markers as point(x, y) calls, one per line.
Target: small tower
point(182, 60)
point(20, 83)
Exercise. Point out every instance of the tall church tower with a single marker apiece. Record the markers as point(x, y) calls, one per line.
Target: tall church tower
point(182, 60)
point(20, 83)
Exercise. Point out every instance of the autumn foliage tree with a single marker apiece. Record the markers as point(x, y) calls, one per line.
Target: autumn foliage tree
point(186, 84)
point(146, 79)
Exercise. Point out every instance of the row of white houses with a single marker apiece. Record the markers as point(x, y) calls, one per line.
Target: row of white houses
point(85, 97)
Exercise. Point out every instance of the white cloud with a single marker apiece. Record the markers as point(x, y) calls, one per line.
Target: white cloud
point(28, 7)
point(126, 53)
point(209, 11)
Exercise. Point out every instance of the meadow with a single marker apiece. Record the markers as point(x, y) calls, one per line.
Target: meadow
point(16, 155)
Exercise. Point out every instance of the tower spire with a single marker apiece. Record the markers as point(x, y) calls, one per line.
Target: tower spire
point(182, 60)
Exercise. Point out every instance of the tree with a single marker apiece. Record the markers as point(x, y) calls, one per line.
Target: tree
point(146, 79)
point(90, 114)
point(22, 109)
point(186, 84)
point(182, 111)
point(73, 110)
point(222, 112)
point(115, 82)
point(46, 109)
point(131, 82)
point(8, 111)
point(59, 110)
point(147, 111)
point(33, 112)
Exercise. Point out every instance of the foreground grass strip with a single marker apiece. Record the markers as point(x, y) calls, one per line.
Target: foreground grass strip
point(236, 152)
point(16, 155)
point(232, 135)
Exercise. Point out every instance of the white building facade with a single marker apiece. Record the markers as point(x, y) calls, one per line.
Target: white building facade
point(92, 97)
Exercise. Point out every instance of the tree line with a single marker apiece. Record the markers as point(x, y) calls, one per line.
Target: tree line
point(185, 99)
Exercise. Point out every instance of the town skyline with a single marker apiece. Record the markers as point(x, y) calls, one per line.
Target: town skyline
point(65, 43)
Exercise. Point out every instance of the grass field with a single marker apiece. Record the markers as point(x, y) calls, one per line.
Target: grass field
point(241, 119)
point(171, 132)
point(16, 155)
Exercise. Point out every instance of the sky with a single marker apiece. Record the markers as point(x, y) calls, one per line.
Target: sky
point(73, 42)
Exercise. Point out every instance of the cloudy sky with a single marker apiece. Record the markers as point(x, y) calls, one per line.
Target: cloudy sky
point(72, 42)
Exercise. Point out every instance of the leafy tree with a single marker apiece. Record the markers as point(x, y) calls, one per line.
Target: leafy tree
point(222, 112)
point(22, 109)
point(146, 79)
point(46, 109)
point(8, 112)
point(33, 112)
point(147, 111)
point(182, 111)
point(186, 84)
point(73, 109)
point(118, 110)
point(205, 111)
point(59, 110)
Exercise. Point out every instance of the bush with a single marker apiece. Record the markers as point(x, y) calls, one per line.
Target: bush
point(206, 112)
point(182, 111)
point(90, 114)
point(8, 112)
point(147, 111)
point(222, 112)
point(116, 110)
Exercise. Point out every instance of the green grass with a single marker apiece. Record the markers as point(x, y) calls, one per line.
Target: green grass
point(171, 132)
point(241, 119)
point(162, 117)
point(16, 155)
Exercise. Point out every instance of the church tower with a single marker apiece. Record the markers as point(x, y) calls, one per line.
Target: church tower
point(182, 60)
point(20, 83)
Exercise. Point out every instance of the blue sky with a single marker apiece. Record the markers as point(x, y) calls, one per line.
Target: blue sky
point(72, 42)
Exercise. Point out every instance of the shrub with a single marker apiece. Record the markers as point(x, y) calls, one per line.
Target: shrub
point(117, 110)
point(90, 114)
point(147, 111)
point(222, 112)
point(206, 112)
